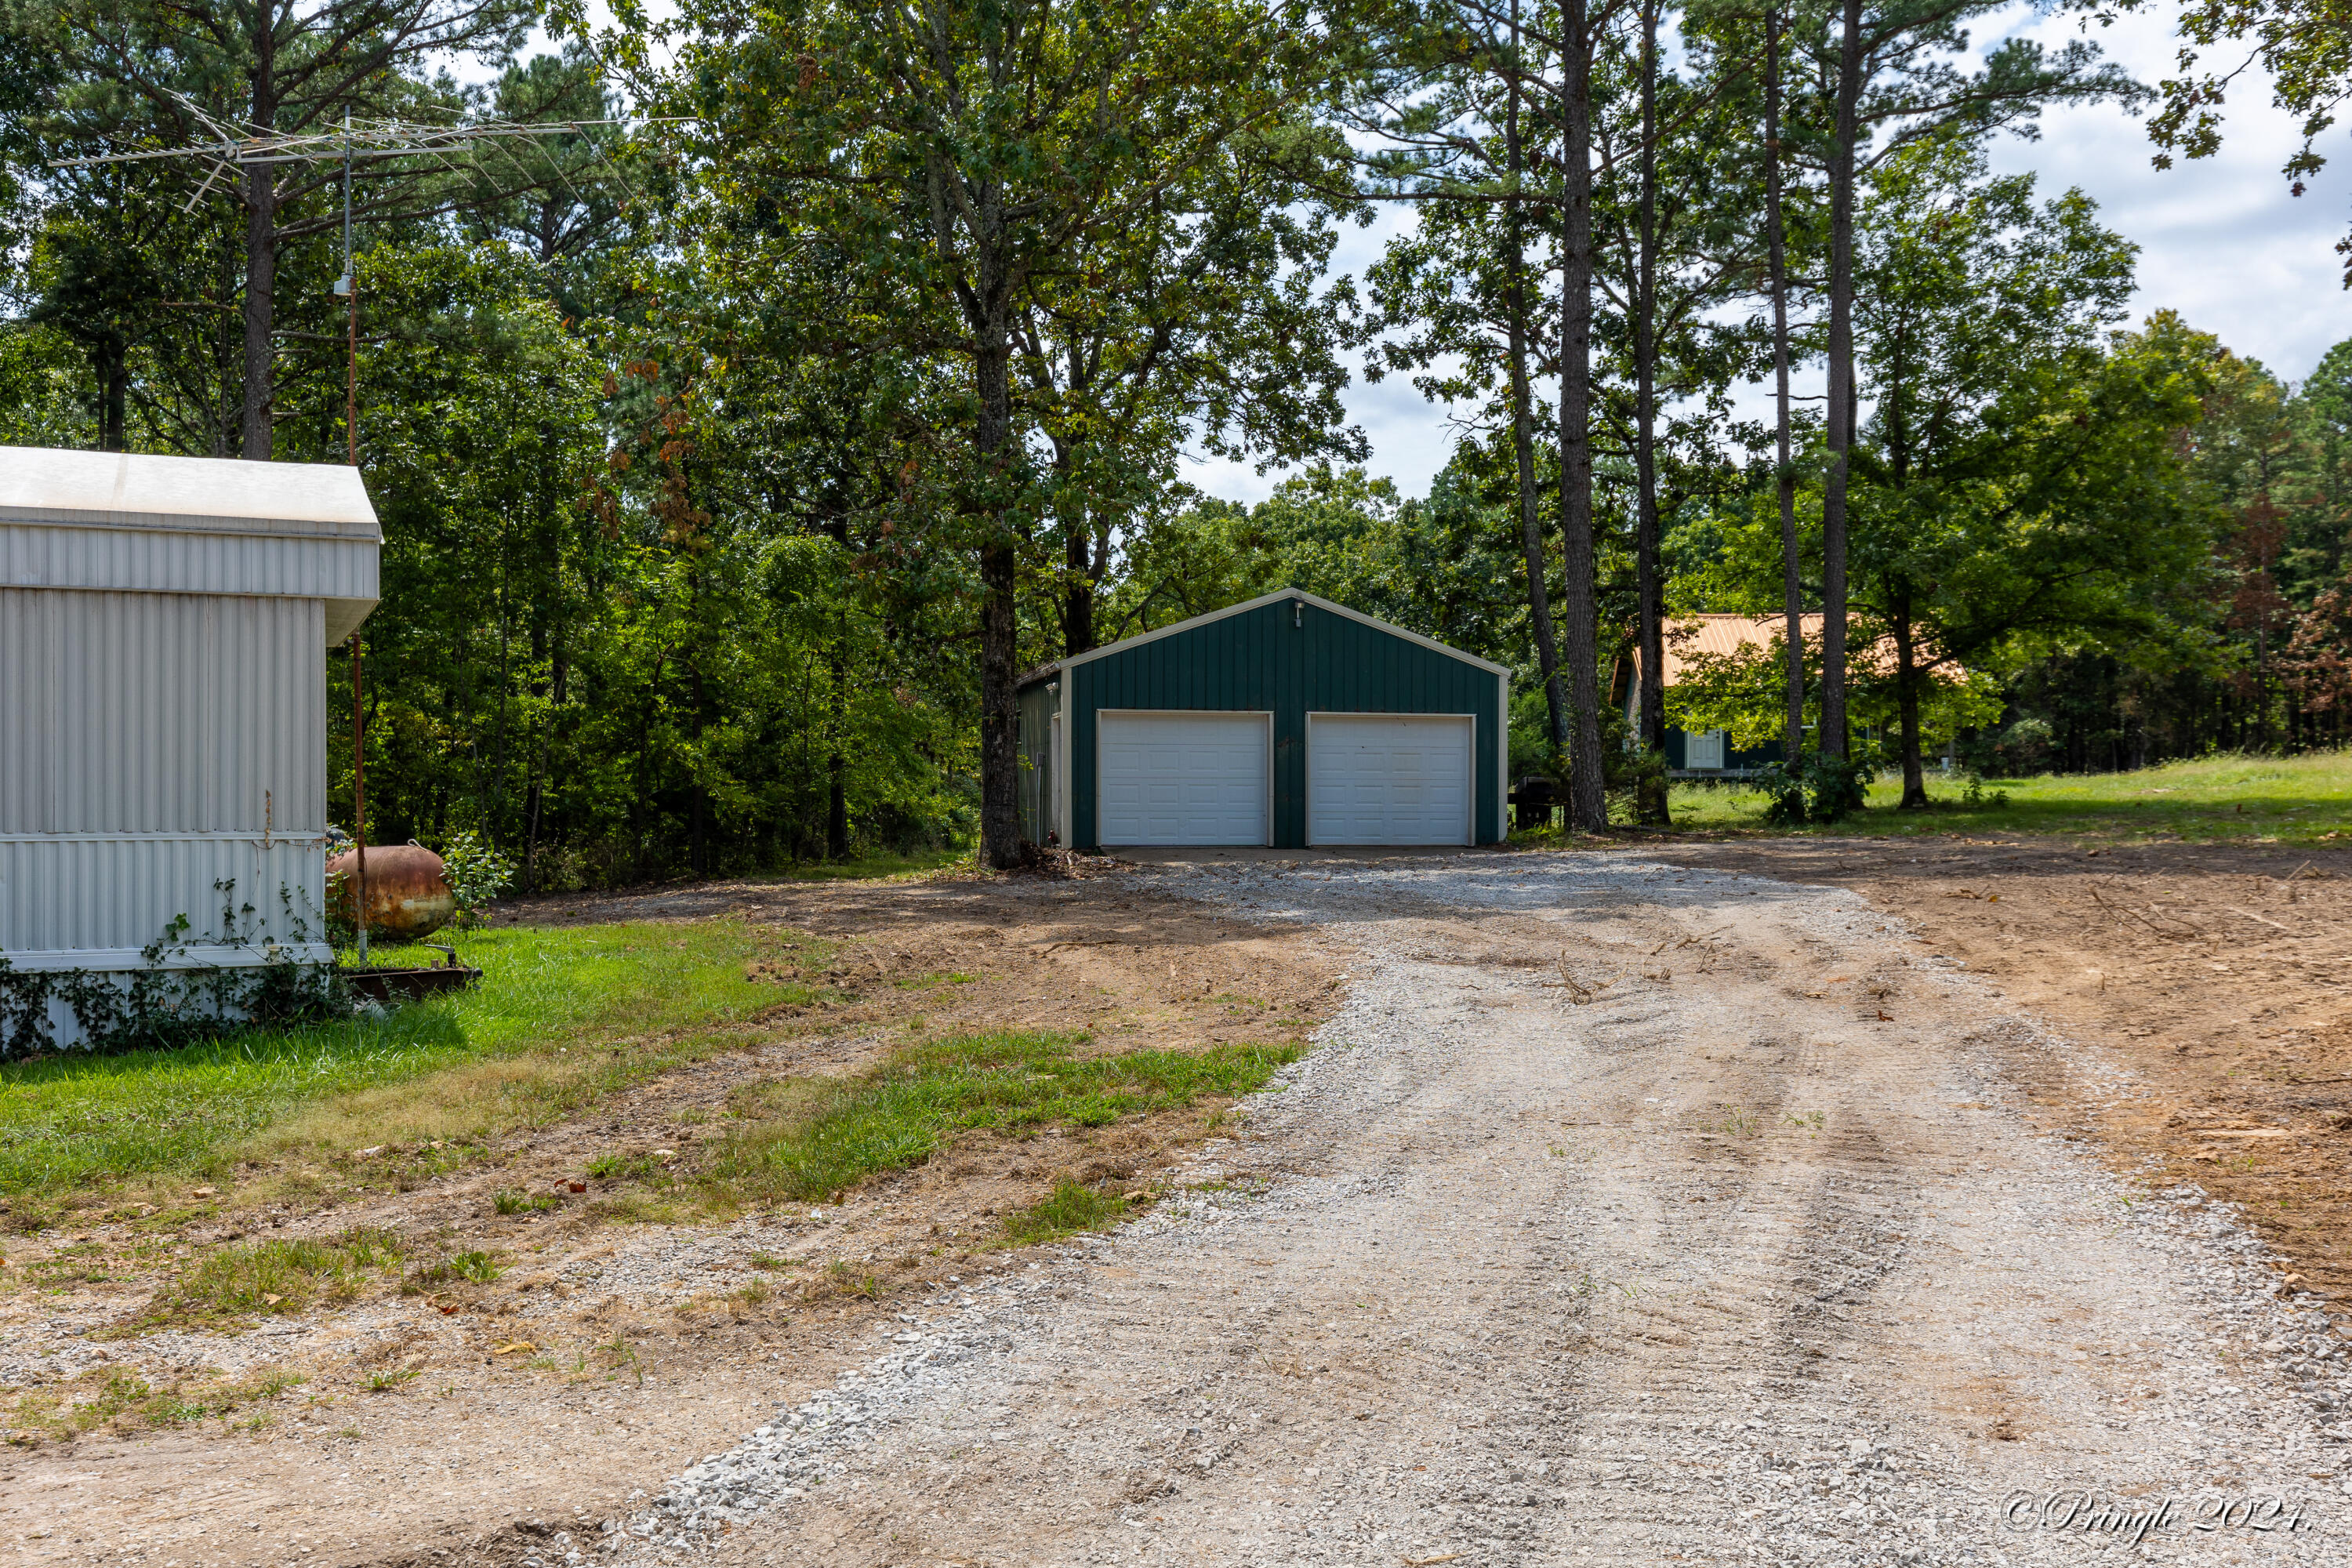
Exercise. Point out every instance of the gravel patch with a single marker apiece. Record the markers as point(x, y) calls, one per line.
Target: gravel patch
point(1624, 1213)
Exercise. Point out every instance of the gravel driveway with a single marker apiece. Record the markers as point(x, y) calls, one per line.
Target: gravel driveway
point(1626, 1213)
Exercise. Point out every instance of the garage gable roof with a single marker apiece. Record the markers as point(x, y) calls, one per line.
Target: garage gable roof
point(1276, 597)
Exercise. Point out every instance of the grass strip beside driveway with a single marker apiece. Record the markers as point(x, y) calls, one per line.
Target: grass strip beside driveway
point(2228, 799)
point(70, 1120)
point(812, 1138)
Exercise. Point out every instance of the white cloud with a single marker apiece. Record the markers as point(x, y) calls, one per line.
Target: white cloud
point(2222, 240)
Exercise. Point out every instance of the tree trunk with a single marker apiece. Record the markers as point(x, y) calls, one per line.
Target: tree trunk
point(1792, 581)
point(1651, 612)
point(1906, 698)
point(261, 286)
point(836, 808)
point(836, 766)
point(1078, 595)
point(1000, 814)
point(698, 840)
point(261, 248)
point(1531, 545)
point(1841, 382)
point(1587, 807)
point(113, 389)
point(988, 314)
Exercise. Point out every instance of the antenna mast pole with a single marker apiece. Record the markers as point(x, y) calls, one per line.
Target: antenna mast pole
point(349, 287)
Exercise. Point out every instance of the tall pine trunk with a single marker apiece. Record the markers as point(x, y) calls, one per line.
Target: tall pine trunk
point(1908, 678)
point(1588, 805)
point(260, 381)
point(1531, 546)
point(1649, 588)
point(112, 353)
point(1841, 382)
point(991, 324)
point(260, 318)
point(1792, 579)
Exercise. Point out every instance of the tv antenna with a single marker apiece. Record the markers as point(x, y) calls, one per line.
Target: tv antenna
point(231, 150)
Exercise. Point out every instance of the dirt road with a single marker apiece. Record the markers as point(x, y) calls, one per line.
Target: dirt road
point(1626, 1212)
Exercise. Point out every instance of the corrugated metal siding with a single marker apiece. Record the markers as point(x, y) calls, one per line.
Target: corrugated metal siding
point(180, 715)
point(1258, 660)
point(160, 712)
point(121, 893)
point(162, 560)
point(162, 696)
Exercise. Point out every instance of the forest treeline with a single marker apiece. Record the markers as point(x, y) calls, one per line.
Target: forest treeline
point(741, 436)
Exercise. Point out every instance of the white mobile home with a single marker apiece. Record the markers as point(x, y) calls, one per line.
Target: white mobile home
point(165, 623)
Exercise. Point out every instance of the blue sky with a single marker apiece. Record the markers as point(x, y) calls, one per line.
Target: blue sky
point(2222, 240)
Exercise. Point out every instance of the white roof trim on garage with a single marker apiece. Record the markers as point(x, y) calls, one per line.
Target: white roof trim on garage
point(1276, 597)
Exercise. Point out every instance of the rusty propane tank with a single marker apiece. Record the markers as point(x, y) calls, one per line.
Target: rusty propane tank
point(408, 893)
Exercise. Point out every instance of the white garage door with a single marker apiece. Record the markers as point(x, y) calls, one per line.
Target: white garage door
point(1379, 779)
point(1183, 778)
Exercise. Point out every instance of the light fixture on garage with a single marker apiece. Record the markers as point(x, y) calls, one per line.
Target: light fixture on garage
point(1297, 614)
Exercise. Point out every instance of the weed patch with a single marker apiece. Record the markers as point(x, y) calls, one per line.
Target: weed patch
point(513, 1201)
point(1074, 1209)
point(475, 1268)
point(928, 982)
point(805, 1141)
point(624, 1167)
point(124, 1403)
point(282, 1277)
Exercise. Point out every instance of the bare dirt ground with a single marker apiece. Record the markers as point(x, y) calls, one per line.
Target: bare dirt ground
point(474, 1422)
point(1628, 1212)
point(2220, 975)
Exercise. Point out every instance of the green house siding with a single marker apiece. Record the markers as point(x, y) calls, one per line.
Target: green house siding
point(1259, 661)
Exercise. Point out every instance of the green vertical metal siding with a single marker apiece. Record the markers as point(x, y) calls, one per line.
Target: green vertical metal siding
point(1258, 661)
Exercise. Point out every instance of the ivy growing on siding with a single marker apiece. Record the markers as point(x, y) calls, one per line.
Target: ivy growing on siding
point(167, 1001)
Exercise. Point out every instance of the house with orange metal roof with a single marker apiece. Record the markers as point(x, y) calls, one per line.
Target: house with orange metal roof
point(1710, 753)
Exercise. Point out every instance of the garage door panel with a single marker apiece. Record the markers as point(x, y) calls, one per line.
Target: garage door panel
point(1183, 778)
point(1388, 779)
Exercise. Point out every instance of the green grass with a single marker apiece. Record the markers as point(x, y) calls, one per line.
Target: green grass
point(480, 1268)
point(1072, 1209)
point(2284, 800)
point(515, 1201)
point(873, 868)
point(549, 998)
point(814, 1138)
point(279, 1277)
point(127, 1402)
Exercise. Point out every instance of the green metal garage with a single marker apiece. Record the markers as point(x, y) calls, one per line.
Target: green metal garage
point(1288, 720)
